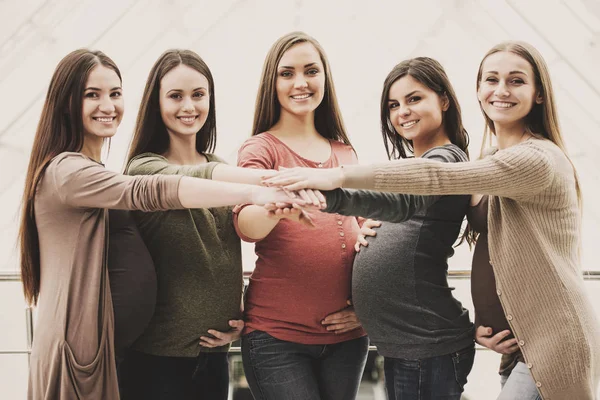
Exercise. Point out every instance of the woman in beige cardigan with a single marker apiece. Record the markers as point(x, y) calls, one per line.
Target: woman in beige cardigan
point(64, 225)
point(534, 218)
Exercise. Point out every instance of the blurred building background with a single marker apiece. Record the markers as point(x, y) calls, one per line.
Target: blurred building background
point(363, 40)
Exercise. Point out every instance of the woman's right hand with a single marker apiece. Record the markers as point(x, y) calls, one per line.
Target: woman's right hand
point(483, 336)
point(366, 230)
point(282, 198)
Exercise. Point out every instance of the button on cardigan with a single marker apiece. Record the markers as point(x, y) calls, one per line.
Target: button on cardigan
point(534, 237)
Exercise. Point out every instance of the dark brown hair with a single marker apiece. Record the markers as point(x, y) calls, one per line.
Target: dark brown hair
point(430, 73)
point(150, 133)
point(60, 129)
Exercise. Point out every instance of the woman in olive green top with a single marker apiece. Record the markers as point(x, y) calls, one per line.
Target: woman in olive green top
point(197, 254)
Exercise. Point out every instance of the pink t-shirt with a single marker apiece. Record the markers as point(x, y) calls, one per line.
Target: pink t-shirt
point(302, 274)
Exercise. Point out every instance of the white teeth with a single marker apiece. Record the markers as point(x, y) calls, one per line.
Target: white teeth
point(188, 120)
point(104, 119)
point(408, 124)
point(301, 96)
point(502, 104)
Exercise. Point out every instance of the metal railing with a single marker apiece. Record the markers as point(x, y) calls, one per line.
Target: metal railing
point(16, 277)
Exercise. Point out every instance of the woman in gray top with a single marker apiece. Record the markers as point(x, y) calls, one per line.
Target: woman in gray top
point(399, 286)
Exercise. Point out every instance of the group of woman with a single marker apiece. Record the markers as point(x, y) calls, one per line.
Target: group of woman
point(145, 304)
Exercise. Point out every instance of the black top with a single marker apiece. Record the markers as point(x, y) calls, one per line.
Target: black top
point(399, 285)
point(132, 279)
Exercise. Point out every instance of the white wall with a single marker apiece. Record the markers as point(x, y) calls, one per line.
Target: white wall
point(363, 39)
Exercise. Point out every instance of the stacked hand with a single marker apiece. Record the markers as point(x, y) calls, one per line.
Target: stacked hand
point(306, 178)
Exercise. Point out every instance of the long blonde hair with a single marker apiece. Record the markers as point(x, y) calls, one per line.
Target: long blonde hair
point(267, 110)
point(542, 120)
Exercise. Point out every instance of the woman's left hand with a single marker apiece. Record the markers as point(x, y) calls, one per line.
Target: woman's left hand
point(223, 338)
point(295, 179)
point(342, 321)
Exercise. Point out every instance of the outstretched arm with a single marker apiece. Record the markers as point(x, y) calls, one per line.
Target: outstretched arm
point(519, 171)
point(83, 183)
point(391, 207)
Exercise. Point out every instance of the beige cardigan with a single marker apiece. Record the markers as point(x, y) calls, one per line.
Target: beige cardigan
point(73, 355)
point(534, 237)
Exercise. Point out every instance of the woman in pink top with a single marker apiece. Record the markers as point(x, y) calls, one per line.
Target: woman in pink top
point(302, 339)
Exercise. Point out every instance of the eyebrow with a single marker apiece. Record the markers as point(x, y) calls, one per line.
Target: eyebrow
point(510, 73)
point(99, 90)
point(306, 66)
point(407, 96)
point(181, 90)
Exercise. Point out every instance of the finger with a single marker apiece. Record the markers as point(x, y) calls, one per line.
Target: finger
point(345, 320)
point(340, 315)
point(210, 341)
point(347, 328)
point(313, 197)
point(206, 344)
point(504, 346)
point(280, 180)
point(343, 327)
point(218, 334)
point(371, 223)
point(512, 349)
point(497, 338)
point(270, 206)
point(368, 232)
point(295, 185)
point(357, 246)
point(237, 324)
point(483, 331)
point(320, 196)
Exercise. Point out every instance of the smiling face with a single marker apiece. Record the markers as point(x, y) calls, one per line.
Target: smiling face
point(416, 112)
point(102, 110)
point(300, 80)
point(184, 100)
point(507, 91)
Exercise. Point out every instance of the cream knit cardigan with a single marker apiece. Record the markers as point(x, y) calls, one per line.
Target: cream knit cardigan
point(534, 237)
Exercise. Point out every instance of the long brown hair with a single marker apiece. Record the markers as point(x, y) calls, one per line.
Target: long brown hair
point(60, 129)
point(430, 73)
point(328, 118)
point(542, 120)
point(150, 133)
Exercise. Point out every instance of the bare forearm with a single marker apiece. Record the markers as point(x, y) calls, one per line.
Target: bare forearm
point(254, 222)
point(251, 176)
point(204, 193)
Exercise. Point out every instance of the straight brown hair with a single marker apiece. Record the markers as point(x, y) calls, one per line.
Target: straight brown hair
point(60, 129)
point(328, 118)
point(150, 133)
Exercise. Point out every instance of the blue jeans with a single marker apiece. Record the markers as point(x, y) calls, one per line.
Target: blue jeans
point(443, 377)
point(519, 385)
point(149, 377)
point(277, 370)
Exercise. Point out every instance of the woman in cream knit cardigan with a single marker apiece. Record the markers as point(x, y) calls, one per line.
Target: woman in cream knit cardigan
point(534, 217)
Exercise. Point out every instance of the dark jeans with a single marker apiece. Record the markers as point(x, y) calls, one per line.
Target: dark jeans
point(442, 377)
point(277, 370)
point(149, 377)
